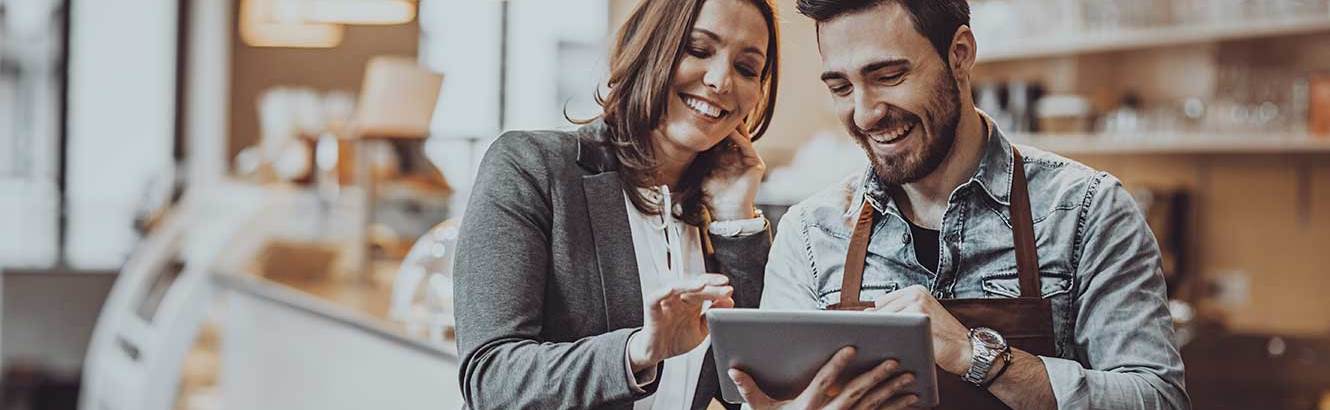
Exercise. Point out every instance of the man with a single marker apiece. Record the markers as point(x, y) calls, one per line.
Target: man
point(939, 205)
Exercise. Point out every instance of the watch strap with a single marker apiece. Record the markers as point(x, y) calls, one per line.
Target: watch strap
point(1006, 363)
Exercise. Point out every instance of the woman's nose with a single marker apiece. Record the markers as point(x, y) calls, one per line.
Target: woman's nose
point(717, 78)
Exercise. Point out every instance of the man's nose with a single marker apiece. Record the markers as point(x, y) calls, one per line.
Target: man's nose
point(868, 110)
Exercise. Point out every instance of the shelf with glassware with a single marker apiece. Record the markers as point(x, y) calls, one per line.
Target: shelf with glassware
point(1143, 38)
point(1074, 144)
point(1248, 108)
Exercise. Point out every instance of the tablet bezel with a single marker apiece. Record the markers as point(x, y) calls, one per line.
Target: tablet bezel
point(793, 345)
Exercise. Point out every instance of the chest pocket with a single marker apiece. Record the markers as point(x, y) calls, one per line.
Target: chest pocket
point(1007, 285)
point(1052, 286)
point(868, 293)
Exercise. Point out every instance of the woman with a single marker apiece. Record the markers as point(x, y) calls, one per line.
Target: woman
point(587, 257)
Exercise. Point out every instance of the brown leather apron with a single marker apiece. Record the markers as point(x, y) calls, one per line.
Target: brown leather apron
point(1026, 322)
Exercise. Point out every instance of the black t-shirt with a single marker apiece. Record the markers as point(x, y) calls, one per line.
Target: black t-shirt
point(925, 245)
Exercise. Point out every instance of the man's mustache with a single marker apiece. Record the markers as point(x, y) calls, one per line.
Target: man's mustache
point(893, 118)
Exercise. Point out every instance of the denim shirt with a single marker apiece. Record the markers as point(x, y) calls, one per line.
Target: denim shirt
point(1098, 262)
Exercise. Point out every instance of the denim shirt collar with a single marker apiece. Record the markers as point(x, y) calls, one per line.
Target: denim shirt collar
point(993, 176)
point(995, 170)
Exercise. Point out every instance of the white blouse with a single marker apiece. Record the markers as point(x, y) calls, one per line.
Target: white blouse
point(662, 242)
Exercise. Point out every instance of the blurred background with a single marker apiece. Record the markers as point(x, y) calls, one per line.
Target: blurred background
point(252, 204)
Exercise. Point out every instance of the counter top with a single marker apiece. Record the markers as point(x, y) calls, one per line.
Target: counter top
point(362, 306)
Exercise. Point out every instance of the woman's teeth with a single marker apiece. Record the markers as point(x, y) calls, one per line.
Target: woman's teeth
point(703, 107)
point(888, 137)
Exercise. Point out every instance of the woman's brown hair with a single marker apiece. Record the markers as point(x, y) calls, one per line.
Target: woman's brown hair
point(649, 47)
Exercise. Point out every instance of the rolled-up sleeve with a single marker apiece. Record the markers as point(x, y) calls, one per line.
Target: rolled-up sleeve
point(1126, 358)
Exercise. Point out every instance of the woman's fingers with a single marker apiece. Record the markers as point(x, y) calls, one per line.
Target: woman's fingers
point(709, 293)
point(744, 143)
point(723, 303)
point(689, 285)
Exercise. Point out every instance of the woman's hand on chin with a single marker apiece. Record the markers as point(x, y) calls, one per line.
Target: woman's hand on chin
point(732, 185)
point(673, 322)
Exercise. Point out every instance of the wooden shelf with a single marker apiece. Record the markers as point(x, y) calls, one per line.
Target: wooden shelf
point(1175, 143)
point(1133, 39)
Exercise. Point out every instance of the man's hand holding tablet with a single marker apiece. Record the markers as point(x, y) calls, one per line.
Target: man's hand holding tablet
point(876, 389)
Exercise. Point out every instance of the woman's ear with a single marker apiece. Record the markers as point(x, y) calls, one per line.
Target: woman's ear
point(962, 54)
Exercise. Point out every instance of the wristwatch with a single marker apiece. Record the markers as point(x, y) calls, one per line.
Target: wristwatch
point(988, 345)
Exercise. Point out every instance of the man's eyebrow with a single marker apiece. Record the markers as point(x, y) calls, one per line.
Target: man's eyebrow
point(870, 68)
point(889, 63)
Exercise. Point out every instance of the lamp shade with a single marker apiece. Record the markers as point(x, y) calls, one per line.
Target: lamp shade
point(397, 99)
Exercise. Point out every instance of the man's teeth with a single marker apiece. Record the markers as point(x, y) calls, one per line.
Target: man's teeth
point(704, 108)
point(892, 136)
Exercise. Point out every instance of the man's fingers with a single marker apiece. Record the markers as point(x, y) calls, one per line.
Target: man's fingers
point(749, 390)
point(825, 381)
point(893, 306)
point(862, 384)
point(900, 402)
point(889, 395)
point(897, 296)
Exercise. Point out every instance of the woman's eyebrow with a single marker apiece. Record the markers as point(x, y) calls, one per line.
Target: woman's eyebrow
point(715, 37)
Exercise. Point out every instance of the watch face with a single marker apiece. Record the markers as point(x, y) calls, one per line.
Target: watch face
point(990, 338)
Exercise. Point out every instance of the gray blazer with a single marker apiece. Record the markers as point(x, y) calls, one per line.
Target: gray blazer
point(547, 288)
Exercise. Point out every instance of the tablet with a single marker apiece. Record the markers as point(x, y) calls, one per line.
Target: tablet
point(783, 350)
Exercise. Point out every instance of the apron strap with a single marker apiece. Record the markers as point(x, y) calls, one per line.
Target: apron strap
point(1022, 232)
point(853, 277)
point(1022, 229)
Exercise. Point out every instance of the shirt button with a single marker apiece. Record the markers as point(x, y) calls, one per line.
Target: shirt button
point(905, 237)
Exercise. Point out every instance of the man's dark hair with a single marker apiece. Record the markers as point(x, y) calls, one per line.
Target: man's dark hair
point(935, 19)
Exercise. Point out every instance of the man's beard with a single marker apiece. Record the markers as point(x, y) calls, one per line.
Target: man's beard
point(908, 167)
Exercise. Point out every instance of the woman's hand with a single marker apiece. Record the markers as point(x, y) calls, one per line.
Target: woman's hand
point(732, 185)
point(674, 324)
point(879, 388)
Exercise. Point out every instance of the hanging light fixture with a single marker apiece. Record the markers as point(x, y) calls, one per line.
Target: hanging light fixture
point(315, 23)
point(267, 23)
point(360, 12)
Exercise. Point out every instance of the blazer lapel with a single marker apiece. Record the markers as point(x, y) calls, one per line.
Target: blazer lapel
point(615, 256)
